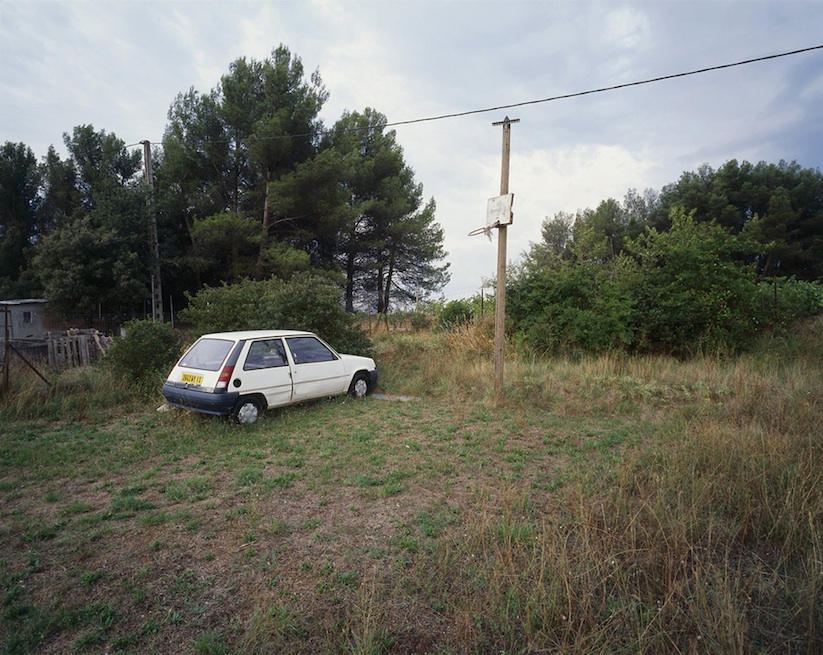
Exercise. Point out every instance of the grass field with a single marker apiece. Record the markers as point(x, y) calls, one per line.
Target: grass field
point(607, 505)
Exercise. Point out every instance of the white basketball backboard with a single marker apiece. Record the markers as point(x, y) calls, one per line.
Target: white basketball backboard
point(499, 210)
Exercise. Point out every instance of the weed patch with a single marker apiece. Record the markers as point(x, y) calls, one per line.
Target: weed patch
point(611, 504)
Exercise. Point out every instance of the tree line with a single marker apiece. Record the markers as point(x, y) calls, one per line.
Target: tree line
point(711, 261)
point(249, 184)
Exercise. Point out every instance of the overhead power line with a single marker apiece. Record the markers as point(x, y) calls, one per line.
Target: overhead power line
point(614, 87)
point(565, 96)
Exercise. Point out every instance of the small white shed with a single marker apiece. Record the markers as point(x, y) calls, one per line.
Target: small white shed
point(26, 318)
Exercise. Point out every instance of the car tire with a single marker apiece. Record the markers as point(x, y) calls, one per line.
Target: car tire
point(247, 410)
point(360, 386)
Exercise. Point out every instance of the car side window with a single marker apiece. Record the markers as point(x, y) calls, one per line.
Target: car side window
point(268, 353)
point(307, 350)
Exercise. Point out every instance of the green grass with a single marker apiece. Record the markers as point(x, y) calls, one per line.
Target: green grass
point(609, 504)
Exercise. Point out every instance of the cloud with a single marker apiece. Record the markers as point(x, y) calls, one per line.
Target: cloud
point(629, 28)
point(120, 65)
point(544, 183)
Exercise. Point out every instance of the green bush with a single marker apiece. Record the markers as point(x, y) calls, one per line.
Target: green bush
point(572, 307)
point(789, 301)
point(696, 293)
point(456, 312)
point(419, 320)
point(682, 291)
point(305, 302)
point(147, 350)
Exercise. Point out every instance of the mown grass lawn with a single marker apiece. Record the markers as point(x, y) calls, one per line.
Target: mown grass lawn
point(606, 505)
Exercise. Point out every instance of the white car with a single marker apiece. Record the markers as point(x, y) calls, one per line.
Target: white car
point(241, 374)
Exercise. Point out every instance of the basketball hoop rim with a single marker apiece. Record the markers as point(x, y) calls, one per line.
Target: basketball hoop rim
point(484, 230)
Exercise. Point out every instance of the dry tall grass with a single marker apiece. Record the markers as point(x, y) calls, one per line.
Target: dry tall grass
point(701, 533)
point(707, 539)
point(73, 393)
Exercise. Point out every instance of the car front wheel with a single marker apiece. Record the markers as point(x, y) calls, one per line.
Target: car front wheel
point(247, 410)
point(359, 385)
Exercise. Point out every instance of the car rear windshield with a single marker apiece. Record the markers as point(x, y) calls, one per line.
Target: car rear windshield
point(207, 354)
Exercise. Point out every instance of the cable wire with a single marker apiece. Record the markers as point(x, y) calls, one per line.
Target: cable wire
point(606, 88)
point(565, 96)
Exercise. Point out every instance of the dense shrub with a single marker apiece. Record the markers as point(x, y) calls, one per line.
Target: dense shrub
point(147, 350)
point(419, 320)
point(680, 291)
point(456, 312)
point(575, 307)
point(461, 311)
point(788, 301)
point(693, 292)
point(305, 302)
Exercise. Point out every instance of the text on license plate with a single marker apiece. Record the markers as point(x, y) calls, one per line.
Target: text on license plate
point(194, 379)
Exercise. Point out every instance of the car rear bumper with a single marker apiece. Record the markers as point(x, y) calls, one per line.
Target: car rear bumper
point(218, 404)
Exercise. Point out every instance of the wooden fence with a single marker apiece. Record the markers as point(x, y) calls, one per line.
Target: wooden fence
point(75, 347)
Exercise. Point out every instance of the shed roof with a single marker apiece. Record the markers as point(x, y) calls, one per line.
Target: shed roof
point(24, 301)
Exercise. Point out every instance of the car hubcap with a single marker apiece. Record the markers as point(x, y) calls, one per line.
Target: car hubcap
point(360, 388)
point(248, 413)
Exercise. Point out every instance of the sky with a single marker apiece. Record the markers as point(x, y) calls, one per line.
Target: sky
point(119, 65)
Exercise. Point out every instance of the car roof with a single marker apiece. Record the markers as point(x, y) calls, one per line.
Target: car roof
point(257, 334)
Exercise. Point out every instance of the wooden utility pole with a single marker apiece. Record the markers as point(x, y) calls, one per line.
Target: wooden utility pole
point(6, 349)
point(154, 243)
point(500, 295)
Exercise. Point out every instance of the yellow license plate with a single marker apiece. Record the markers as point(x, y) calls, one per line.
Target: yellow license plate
point(194, 379)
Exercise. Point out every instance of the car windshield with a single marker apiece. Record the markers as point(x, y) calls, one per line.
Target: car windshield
point(207, 354)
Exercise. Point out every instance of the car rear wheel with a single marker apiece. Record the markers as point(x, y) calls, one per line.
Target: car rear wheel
point(359, 385)
point(247, 410)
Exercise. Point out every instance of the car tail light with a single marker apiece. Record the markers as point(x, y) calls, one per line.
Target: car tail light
point(225, 376)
